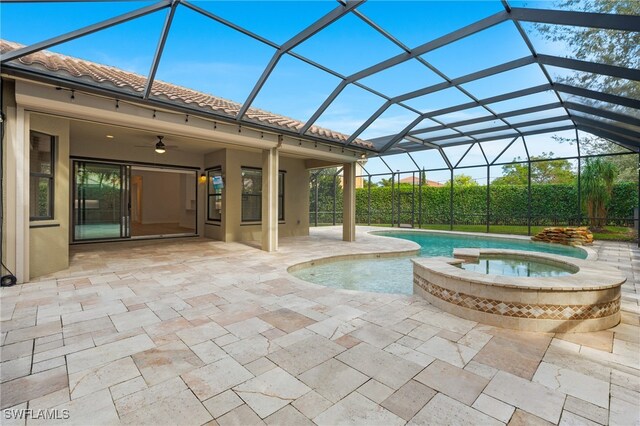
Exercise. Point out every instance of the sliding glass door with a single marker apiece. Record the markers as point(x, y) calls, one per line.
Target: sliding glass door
point(100, 201)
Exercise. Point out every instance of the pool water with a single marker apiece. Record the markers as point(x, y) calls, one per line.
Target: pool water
point(395, 275)
point(518, 268)
point(436, 244)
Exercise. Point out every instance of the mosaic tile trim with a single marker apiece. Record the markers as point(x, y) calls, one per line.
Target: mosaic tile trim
point(520, 310)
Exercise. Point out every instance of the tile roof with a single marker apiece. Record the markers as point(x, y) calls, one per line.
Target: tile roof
point(92, 72)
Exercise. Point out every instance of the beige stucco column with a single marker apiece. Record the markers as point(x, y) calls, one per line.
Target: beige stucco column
point(270, 199)
point(16, 202)
point(349, 202)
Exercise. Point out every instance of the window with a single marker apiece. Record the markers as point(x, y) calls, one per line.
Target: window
point(252, 195)
point(281, 196)
point(41, 172)
point(214, 194)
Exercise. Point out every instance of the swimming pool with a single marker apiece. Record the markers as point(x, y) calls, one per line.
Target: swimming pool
point(395, 275)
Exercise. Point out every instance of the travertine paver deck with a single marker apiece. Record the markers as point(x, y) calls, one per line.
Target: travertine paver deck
point(196, 331)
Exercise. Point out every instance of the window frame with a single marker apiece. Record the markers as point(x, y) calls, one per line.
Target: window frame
point(210, 173)
point(281, 175)
point(50, 176)
point(281, 197)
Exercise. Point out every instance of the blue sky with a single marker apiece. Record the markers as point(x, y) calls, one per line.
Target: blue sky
point(207, 56)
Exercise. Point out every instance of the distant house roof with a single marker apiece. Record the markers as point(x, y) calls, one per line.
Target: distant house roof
point(108, 75)
point(416, 180)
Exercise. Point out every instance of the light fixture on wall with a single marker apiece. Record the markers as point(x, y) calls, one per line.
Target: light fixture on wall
point(160, 147)
point(110, 136)
point(203, 178)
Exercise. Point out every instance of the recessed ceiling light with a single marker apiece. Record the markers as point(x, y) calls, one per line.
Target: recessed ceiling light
point(110, 136)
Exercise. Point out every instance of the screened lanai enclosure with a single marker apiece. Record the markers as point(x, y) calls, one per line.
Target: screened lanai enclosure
point(492, 117)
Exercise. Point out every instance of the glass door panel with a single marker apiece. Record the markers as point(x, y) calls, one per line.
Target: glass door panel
point(163, 202)
point(101, 201)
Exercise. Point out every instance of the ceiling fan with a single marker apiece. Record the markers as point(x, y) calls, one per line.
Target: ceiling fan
point(160, 147)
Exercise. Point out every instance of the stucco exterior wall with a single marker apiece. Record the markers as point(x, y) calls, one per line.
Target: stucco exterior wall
point(49, 239)
point(296, 197)
point(31, 252)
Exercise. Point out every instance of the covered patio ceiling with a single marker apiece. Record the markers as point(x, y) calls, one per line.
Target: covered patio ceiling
point(496, 95)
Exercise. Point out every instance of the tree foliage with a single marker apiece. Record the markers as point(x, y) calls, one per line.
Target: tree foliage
point(627, 165)
point(551, 204)
point(324, 187)
point(620, 48)
point(542, 172)
point(598, 177)
point(462, 180)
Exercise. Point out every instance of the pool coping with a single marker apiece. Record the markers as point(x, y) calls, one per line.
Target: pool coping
point(591, 253)
point(587, 301)
point(590, 274)
point(355, 256)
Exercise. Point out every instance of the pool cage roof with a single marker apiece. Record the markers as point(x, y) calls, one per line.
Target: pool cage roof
point(501, 100)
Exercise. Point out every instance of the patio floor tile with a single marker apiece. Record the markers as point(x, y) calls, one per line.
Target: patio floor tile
point(444, 410)
point(522, 418)
point(409, 399)
point(286, 320)
point(194, 335)
point(506, 355)
point(102, 377)
point(531, 397)
point(150, 395)
point(376, 335)
point(375, 391)
point(355, 409)
point(452, 381)
point(134, 319)
point(94, 409)
point(169, 331)
point(305, 354)
point(271, 391)
point(333, 379)
point(164, 362)
point(386, 368)
point(174, 410)
point(88, 358)
point(34, 386)
point(222, 403)
point(251, 349)
point(215, 378)
point(127, 388)
point(445, 350)
point(15, 368)
point(494, 408)
point(288, 416)
point(573, 383)
point(311, 404)
point(240, 416)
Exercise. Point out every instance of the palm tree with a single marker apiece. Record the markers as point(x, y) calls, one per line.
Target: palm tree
point(596, 188)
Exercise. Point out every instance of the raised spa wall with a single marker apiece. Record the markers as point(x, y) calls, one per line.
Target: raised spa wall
point(588, 300)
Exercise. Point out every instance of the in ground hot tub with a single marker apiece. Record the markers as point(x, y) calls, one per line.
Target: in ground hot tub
point(518, 266)
point(523, 290)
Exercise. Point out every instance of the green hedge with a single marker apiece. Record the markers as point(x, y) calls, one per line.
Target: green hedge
point(551, 204)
